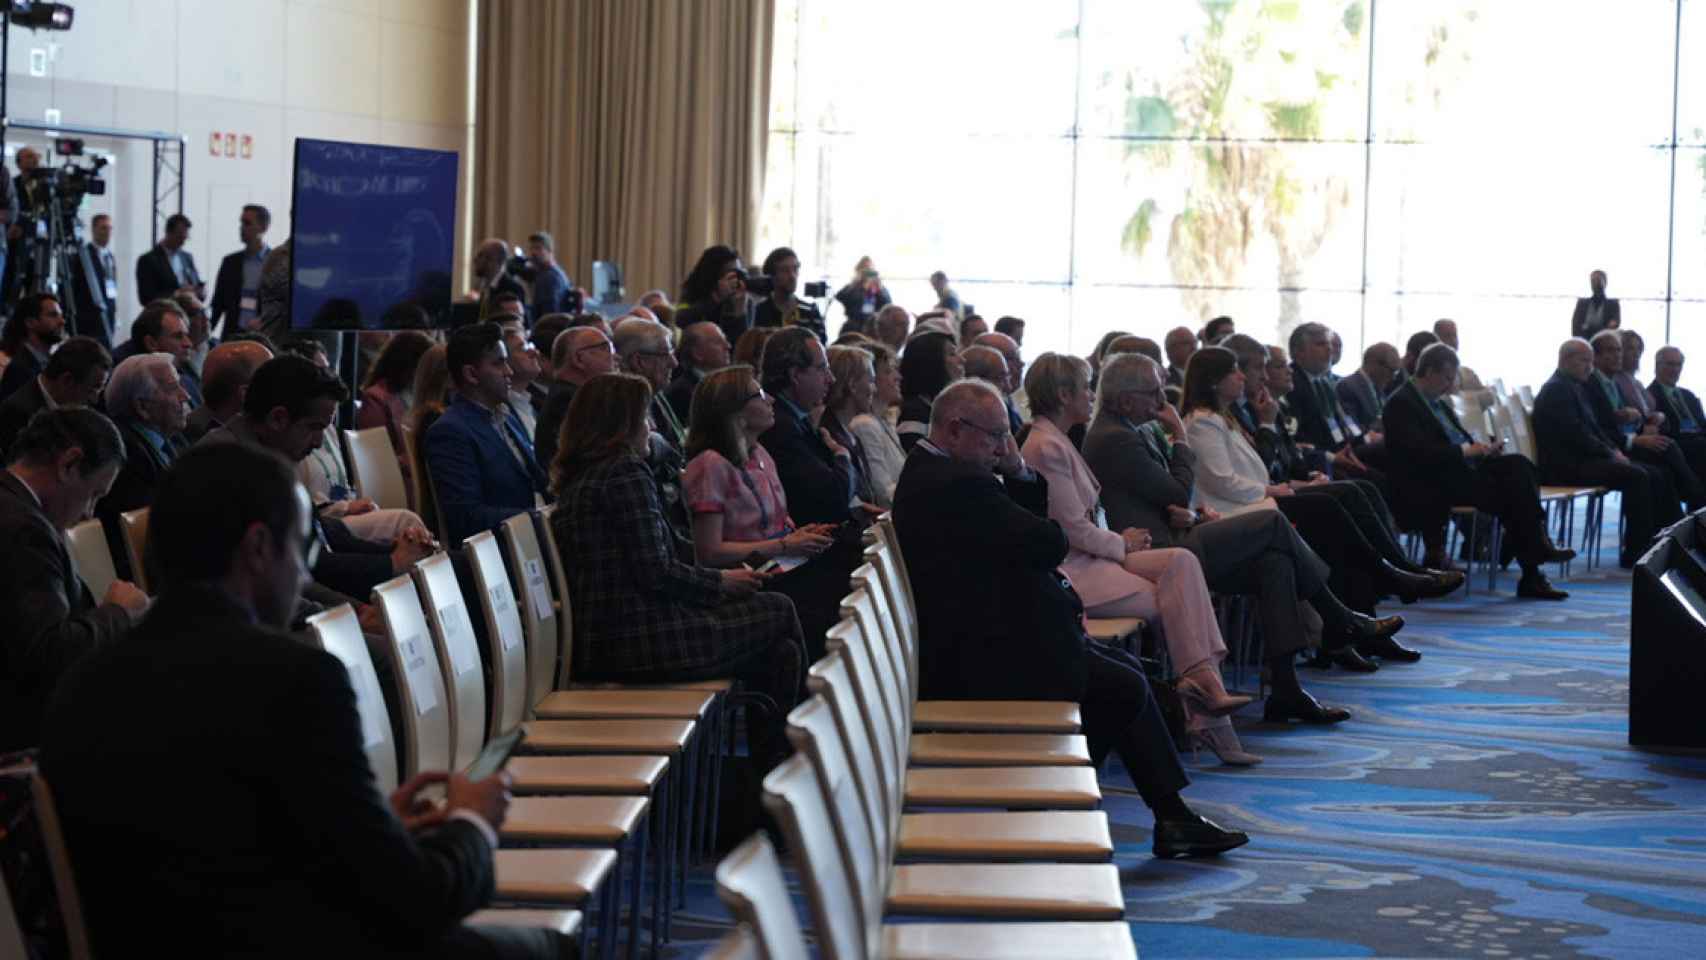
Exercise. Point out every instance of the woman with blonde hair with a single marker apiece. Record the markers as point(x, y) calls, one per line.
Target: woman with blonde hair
point(867, 420)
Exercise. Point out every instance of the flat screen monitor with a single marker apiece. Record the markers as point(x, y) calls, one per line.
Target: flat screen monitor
point(372, 236)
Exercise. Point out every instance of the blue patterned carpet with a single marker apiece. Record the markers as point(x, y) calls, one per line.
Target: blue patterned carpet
point(1481, 803)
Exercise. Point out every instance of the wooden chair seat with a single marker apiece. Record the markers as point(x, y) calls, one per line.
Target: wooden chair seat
point(622, 776)
point(1064, 836)
point(566, 877)
point(997, 749)
point(623, 703)
point(1020, 716)
point(1038, 891)
point(1008, 941)
point(592, 820)
point(709, 686)
point(1013, 788)
point(1111, 628)
point(564, 923)
point(608, 736)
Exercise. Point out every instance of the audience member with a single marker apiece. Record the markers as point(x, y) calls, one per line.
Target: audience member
point(704, 348)
point(821, 477)
point(478, 453)
point(715, 292)
point(641, 615)
point(227, 373)
point(892, 327)
point(73, 377)
point(987, 364)
point(387, 393)
point(929, 364)
point(1012, 327)
point(230, 530)
point(577, 355)
point(972, 327)
point(525, 397)
point(168, 267)
point(1363, 393)
point(1638, 431)
point(147, 404)
point(1595, 312)
point(852, 393)
point(1572, 449)
point(432, 393)
point(61, 464)
point(863, 296)
point(1009, 349)
point(1684, 423)
point(1100, 352)
point(1469, 385)
point(782, 308)
point(1336, 354)
point(946, 298)
point(1216, 330)
point(1413, 347)
point(1445, 467)
point(1321, 420)
point(1180, 343)
point(1130, 343)
point(553, 291)
point(36, 327)
point(1148, 476)
point(543, 336)
point(237, 285)
point(749, 349)
point(966, 534)
point(872, 426)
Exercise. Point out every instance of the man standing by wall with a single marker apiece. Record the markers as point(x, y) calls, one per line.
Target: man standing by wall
point(236, 291)
point(168, 267)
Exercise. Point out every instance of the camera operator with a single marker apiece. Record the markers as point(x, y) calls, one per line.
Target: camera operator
point(553, 291)
point(715, 292)
point(236, 289)
point(492, 272)
point(94, 284)
point(862, 297)
point(781, 308)
point(169, 268)
point(30, 207)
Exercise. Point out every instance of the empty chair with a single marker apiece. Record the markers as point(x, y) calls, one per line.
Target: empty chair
point(88, 544)
point(374, 468)
point(135, 524)
point(751, 885)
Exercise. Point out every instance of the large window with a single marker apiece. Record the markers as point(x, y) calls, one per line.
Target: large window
point(1096, 165)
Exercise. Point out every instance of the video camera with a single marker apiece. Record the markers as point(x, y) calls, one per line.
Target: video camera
point(760, 285)
point(520, 267)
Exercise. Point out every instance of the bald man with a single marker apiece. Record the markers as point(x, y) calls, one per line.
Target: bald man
point(1180, 343)
point(967, 535)
point(577, 355)
point(704, 348)
point(225, 376)
point(491, 272)
point(1363, 393)
point(1006, 345)
point(1572, 449)
point(987, 364)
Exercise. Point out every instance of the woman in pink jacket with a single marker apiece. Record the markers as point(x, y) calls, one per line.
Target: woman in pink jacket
point(1118, 574)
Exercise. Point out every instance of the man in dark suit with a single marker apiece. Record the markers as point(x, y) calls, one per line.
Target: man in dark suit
point(274, 839)
point(63, 461)
point(168, 267)
point(577, 355)
point(480, 456)
point(147, 404)
point(1321, 419)
point(1572, 449)
point(1684, 421)
point(1363, 393)
point(164, 327)
point(236, 288)
point(1596, 312)
point(36, 327)
point(94, 284)
point(1446, 467)
point(1633, 431)
point(996, 618)
point(74, 377)
point(1146, 483)
point(704, 348)
point(818, 475)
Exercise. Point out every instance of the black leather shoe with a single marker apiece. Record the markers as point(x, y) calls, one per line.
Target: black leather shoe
point(1387, 648)
point(1358, 629)
point(1350, 658)
point(1535, 586)
point(1196, 836)
point(1427, 585)
point(1552, 553)
point(1302, 707)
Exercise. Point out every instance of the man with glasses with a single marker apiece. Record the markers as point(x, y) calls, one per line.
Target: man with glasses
point(997, 620)
point(524, 375)
point(577, 355)
point(1363, 393)
point(643, 349)
point(705, 348)
point(818, 474)
point(74, 377)
point(1008, 347)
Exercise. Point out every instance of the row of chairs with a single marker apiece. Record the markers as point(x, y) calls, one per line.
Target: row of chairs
point(1027, 855)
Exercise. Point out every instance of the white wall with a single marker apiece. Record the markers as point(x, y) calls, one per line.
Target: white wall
point(375, 71)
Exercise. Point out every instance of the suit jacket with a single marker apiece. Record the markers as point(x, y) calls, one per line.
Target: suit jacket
point(133, 489)
point(1277, 447)
point(679, 393)
point(20, 373)
point(1435, 471)
point(820, 486)
point(154, 276)
point(1677, 407)
point(1611, 317)
point(1633, 394)
point(550, 423)
point(1321, 418)
point(52, 621)
point(965, 534)
point(479, 482)
point(1139, 479)
point(96, 313)
point(274, 839)
point(1231, 475)
point(1566, 430)
point(1074, 500)
point(1604, 413)
point(17, 410)
point(228, 291)
point(201, 422)
point(1360, 399)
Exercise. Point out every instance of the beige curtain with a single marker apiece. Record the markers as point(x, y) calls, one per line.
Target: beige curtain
point(632, 130)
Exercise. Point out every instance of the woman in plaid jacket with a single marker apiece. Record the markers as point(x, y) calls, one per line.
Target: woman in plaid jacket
point(641, 614)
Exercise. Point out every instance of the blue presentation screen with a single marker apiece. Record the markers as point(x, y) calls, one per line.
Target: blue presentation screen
point(373, 233)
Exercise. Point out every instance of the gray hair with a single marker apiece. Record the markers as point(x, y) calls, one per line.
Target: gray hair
point(1306, 331)
point(959, 398)
point(1604, 337)
point(1572, 345)
point(635, 334)
point(1124, 373)
point(133, 381)
point(1437, 356)
point(984, 362)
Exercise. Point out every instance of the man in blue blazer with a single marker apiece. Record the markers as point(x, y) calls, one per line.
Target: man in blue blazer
point(478, 454)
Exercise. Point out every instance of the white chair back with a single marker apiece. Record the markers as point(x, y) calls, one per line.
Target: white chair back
point(886, 694)
point(88, 544)
point(505, 647)
point(811, 728)
point(843, 680)
point(877, 577)
point(135, 526)
point(420, 684)
point(538, 609)
point(458, 655)
point(1523, 427)
point(1525, 395)
point(565, 607)
point(59, 866)
point(828, 678)
point(751, 884)
point(1503, 428)
point(338, 631)
point(794, 797)
point(373, 467)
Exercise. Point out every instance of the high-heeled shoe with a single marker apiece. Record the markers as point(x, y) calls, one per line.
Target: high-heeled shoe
point(1211, 702)
point(1223, 743)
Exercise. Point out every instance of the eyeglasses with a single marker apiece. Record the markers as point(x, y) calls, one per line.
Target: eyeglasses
point(760, 395)
point(999, 436)
point(656, 353)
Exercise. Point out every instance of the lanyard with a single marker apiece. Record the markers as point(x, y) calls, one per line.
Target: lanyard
point(751, 486)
